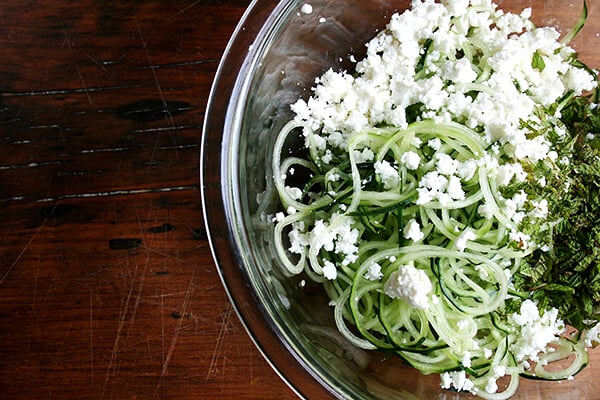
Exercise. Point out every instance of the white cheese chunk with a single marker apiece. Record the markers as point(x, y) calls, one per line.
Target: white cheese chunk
point(409, 284)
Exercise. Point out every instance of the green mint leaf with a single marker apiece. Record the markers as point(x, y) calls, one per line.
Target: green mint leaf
point(538, 62)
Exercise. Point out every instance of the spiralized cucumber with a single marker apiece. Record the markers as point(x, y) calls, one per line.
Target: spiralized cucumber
point(408, 229)
point(470, 284)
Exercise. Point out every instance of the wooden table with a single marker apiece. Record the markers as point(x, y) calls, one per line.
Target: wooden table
point(107, 285)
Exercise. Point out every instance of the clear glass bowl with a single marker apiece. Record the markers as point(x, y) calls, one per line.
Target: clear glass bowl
point(272, 59)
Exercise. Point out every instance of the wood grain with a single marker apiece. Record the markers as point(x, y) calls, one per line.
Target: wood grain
point(107, 286)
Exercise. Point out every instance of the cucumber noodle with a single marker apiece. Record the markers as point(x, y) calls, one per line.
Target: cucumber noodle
point(348, 227)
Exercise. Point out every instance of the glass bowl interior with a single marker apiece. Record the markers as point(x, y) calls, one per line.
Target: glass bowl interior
point(274, 56)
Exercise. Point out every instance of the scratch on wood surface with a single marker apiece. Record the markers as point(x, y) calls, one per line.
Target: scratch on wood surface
point(184, 306)
point(225, 326)
point(91, 338)
point(111, 368)
point(35, 287)
point(158, 86)
point(67, 42)
point(79, 74)
point(23, 250)
point(126, 315)
point(185, 9)
point(147, 53)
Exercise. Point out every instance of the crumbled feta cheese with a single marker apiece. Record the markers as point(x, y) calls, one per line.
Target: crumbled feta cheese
point(540, 209)
point(279, 217)
point(466, 360)
point(363, 156)
point(491, 386)
point(306, 8)
point(435, 144)
point(445, 164)
point(409, 284)
point(487, 353)
point(459, 71)
point(456, 379)
point(327, 157)
point(432, 185)
point(592, 336)
point(329, 270)
point(411, 160)
point(507, 172)
point(463, 238)
point(536, 331)
point(455, 190)
point(295, 193)
point(388, 174)
point(333, 177)
point(485, 210)
point(374, 272)
point(412, 231)
point(466, 170)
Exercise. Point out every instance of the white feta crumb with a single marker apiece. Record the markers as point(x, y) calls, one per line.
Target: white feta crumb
point(374, 272)
point(592, 336)
point(466, 360)
point(327, 157)
point(446, 164)
point(329, 270)
point(412, 231)
point(306, 8)
point(445, 380)
point(365, 155)
point(435, 144)
point(540, 209)
point(491, 385)
point(462, 239)
point(485, 210)
point(298, 240)
point(333, 177)
point(388, 174)
point(455, 190)
point(487, 353)
point(409, 284)
point(536, 331)
point(294, 192)
point(411, 160)
point(456, 379)
point(466, 170)
point(279, 217)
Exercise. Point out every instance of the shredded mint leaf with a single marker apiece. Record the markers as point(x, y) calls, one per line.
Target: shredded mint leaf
point(567, 276)
point(538, 62)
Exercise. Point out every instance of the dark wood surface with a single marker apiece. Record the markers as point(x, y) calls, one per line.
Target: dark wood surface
point(107, 286)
